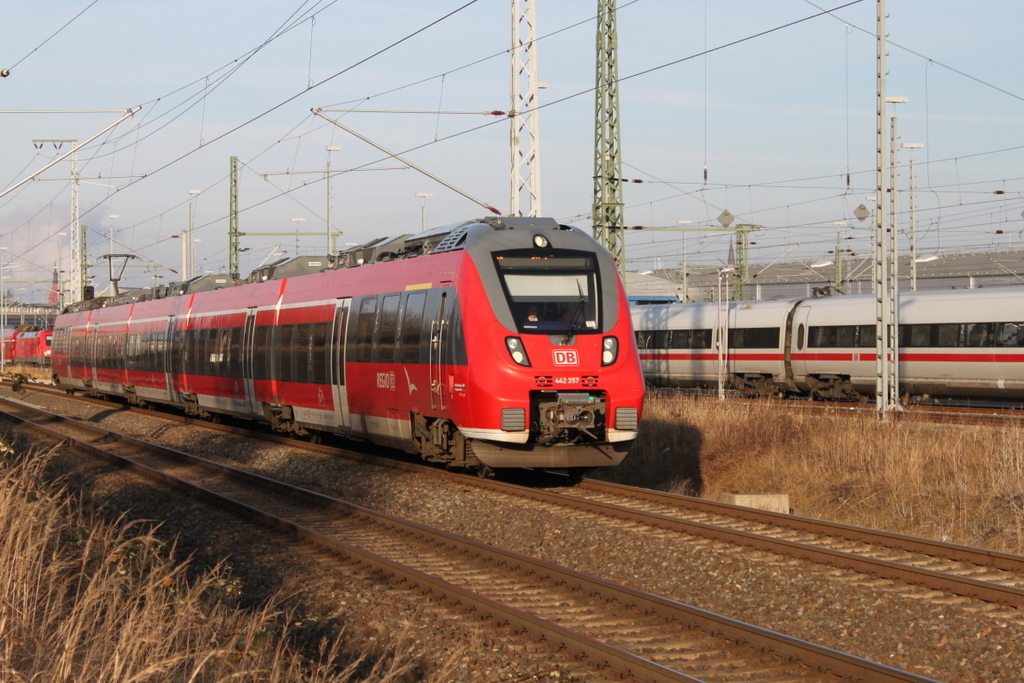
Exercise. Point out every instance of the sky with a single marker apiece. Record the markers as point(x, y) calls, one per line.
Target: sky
point(775, 98)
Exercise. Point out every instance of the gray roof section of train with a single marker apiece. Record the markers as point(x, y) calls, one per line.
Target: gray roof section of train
point(796, 279)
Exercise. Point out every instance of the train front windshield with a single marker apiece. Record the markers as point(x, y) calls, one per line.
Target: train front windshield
point(552, 293)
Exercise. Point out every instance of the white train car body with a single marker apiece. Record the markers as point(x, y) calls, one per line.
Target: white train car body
point(966, 343)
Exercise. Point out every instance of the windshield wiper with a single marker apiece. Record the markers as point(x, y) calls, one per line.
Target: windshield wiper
point(567, 337)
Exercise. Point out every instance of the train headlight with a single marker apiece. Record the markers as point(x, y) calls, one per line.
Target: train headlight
point(540, 241)
point(516, 350)
point(609, 350)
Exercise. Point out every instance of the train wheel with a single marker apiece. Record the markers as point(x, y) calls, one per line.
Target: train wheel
point(484, 472)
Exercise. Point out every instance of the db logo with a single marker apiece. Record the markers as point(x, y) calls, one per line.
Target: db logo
point(566, 357)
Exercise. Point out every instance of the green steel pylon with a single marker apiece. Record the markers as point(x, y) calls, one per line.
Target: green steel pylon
point(607, 212)
point(233, 234)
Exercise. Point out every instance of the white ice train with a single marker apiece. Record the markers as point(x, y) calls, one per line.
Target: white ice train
point(952, 343)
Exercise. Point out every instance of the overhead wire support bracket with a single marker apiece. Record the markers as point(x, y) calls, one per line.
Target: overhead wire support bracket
point(128, 114)
point(319, 112)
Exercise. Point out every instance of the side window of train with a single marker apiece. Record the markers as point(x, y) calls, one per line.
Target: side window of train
point(661, 339)
point(800, 337)
point(700, 339)
point(412, 327)
point(364, 330)
point(388, 329)
point(235, 352)
point(980, 334)
point(866, 336)
point(318, 354)
point(302, 341)
point(754, 338)
point(455, 349)
point(260, 357)
point(283, 346)
point(1010, 334)
point(640, 339)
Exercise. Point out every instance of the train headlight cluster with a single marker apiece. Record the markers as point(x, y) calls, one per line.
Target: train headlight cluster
point(609, 350)
point(540, 241)
point(516, 350)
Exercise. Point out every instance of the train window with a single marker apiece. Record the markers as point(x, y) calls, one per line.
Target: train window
point(661, 339)
point(234, 364)
point(412, 327)
point(866, 336)
point(1010, 334)
point(700, 339)
point(284, 352)
point(980, 334)
point(364, 330)
point(920, 335)
point(947, 335)
point(550, 293)
point(821, 337)
point(800, 337)
point(388, 329)
point(318, 354)
point(260, 355)
point(179, 341)
point(641, 338)
point(754, 338)
point(301, 344)
point(455, 346)
point(846, 335)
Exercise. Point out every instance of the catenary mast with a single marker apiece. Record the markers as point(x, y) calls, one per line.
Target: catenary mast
point(523, 114)
point(607, 209)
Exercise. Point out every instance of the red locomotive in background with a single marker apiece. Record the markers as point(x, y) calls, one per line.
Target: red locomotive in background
point(503, 342)
point(26, 348)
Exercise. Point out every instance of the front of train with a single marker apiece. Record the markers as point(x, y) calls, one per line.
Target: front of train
point(554, 374)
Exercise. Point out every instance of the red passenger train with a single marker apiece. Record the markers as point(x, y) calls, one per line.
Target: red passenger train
point(502, 342)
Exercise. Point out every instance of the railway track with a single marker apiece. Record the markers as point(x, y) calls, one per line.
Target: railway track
point(985, 575)
point(958, 570)
point(621, 631)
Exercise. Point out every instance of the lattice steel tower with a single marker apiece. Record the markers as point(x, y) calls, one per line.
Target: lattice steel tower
point(523, 114)
point(607, 213)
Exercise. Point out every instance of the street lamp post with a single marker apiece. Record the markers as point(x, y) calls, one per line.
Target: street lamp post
point(913, 213)
point(330, 203)
point(686, 274)
point(423, 209)
point(296, 221)
point(191, 235)
point(112, 217)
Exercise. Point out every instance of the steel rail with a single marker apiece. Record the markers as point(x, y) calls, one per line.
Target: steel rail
point(950, 551)
point(929, 578)
point(823, 659)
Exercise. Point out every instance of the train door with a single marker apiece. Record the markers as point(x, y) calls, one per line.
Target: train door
point(249, 362)
point(789, 341)
point(91, 351)
point(797, 352)
point(171, 357)
point(438, 341)
point(337, 362)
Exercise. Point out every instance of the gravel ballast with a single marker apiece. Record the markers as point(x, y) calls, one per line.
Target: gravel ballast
point(940, 636)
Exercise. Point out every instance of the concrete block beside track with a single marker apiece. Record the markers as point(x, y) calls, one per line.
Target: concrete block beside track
point(773, 502)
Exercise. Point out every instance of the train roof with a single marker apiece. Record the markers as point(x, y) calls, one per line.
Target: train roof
point(451, 237)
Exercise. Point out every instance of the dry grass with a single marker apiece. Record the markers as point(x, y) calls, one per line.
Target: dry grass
point(955, 483)
point(82, 600)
